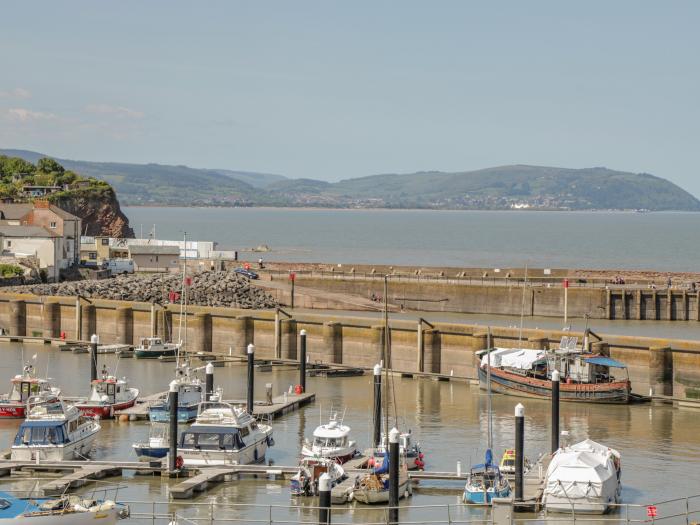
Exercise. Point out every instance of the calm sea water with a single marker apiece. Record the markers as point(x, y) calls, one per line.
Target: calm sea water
point(657, 241)
point(449, 420)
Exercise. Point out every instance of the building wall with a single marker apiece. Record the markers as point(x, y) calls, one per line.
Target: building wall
point(46, 250)
point(155, 262)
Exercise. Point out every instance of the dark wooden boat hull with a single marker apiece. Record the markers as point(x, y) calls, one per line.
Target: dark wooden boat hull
point(505, 382)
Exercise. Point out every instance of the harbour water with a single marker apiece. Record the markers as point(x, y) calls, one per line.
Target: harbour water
point(660, 445)
point(626, 240)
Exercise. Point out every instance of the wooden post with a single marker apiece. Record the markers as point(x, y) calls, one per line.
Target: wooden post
point(669, 305)
point(421, 348)
point(639, 305)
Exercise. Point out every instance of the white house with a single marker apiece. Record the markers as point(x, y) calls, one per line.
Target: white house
point(34, 241)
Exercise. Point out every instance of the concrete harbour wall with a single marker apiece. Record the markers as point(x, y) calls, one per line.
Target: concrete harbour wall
point(668, 366)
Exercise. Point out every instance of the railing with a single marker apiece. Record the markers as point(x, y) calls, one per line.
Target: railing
point(674, 511)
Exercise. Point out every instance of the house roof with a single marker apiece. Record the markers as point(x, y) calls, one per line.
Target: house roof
point(150, 249)
point(9, 230)
point(14, 211)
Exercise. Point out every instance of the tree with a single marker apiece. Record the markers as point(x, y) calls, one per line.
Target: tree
point(15, 166)
point(47, 165)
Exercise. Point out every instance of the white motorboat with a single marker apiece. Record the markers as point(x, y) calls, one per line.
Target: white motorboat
point(66, 510)
point(305, 481)
point(54, 432)
point(583, 478)
point(331, 441)
point(155, 347)
point(224, 435)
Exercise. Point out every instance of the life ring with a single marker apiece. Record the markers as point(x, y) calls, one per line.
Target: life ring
point(179, 462)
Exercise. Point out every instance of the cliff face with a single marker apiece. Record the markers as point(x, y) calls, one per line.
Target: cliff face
point(99, 210)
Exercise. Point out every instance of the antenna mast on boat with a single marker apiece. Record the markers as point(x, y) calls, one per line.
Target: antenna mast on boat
point(385, 393)
point(522, 310)
point(489, 429)
point(183, 300)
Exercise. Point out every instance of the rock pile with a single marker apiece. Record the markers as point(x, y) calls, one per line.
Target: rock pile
point(207, 289)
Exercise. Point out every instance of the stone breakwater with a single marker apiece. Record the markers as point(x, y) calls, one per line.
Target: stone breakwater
point(207, 289)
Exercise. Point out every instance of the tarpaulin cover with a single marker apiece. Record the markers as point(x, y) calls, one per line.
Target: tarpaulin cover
point(522, 358)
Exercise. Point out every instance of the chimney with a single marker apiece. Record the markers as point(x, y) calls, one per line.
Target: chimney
point(41, 203)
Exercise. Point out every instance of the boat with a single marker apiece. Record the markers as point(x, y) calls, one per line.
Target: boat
point(65, 510)
point(373, 488)
point(585, 376)
point(23, 387)
point(157, 446)
point(190, 395)
point(331, 441)
point(485, 482)
point(305, 481)
point(507, 464)
point(224, 434)
point(108, 394)
point(54, 432)
point(584, 478)
point(410, 451)
point(155, 347)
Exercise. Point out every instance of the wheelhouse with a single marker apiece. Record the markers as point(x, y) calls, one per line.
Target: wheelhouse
point(214, 438)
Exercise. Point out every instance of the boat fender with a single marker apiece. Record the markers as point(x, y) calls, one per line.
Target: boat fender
point(179, 462)
point(255, 454)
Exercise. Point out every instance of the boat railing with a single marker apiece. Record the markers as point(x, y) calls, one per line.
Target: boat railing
point(680, 510)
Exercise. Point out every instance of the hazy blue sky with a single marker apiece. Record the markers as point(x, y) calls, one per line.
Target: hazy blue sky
point(333, 90)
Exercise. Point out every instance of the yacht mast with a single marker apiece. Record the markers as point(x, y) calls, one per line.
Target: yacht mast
point(488, 387)
point(385, 390)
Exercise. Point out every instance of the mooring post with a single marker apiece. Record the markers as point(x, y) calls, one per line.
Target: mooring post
point(208, 381)
point(394, 476)
point(302, 360)
point(377, 405)
point(555, 411)
point(519, 450)
point(324, 499)
point(172, 405)
point(251, 378)
point(78, 320)
point(94, 339)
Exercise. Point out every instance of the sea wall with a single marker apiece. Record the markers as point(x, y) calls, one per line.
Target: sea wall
point(668, 366)
point(512, 298)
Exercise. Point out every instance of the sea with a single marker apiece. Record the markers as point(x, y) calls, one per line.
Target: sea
point(663, 241)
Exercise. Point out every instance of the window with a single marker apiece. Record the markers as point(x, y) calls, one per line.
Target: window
point(244, 431)
point(93, 256)
point(188, 440)
point(105, 242)
point(52, 225)
point(9, 243)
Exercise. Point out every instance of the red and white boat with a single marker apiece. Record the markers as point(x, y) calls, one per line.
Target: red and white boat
point(108, 395)
point(25, 386)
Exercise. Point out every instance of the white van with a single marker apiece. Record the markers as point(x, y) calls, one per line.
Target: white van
point(120, 266)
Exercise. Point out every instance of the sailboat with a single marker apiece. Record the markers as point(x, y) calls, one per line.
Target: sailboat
point(486, 481)
point(374, 487)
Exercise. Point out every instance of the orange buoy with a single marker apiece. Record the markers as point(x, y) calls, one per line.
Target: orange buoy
point(298, 390)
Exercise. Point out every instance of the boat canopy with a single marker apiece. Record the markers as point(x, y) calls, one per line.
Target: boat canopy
point(41, 433)
point(581, 470)
point(605, 361)
point(212, 438)
point(11, 506)
point(522, 358)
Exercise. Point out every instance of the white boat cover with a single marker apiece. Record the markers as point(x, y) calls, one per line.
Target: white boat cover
point(586, 470)
point(521, 358)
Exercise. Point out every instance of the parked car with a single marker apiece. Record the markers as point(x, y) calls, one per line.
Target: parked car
point(120, 266)
point(250, 274)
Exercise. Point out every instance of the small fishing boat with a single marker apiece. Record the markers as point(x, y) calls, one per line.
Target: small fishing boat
point(66, 510)
point(485, 482)
point(108, 395)
point(305, 481)
point(23, 387)
point(410, 451)
point(157, 446)
point(54, 432)
point(373, 488)
point(585, 478)
point(190, 395)
point(155, 347)
point(331, 441)
point(585, 377)
point(224, 435)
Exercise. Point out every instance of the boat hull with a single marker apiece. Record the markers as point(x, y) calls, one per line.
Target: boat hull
point(505, 382)
point(101, 517)
point(372, 497)
point(14, 410)
point(155, 354)
point(104, 411)
point(253, 453)
point(147, 453)
point(481, 497)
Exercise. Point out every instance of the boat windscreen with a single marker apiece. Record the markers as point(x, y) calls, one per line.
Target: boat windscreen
point(605, 361)
point(40, 433)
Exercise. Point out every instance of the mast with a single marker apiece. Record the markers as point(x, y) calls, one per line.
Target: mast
point(522, 310)
point(488, 387)
point(385, 390)
point(182, 306)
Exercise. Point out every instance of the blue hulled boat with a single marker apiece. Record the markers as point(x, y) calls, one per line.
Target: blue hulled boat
point(486, 482)
point(190, 395)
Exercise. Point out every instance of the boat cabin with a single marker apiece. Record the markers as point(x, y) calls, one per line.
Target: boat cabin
point(219, 426)
point(109, 389)
point(24, 387)
point(149, 342)
point(49, 424)
point(583, 368)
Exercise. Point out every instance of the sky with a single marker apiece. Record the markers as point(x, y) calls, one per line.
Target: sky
point(333, 90)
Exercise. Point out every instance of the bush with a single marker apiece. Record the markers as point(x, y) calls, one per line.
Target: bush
point(10, 270)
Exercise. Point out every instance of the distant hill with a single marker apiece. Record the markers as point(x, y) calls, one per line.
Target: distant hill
point(504, 187)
